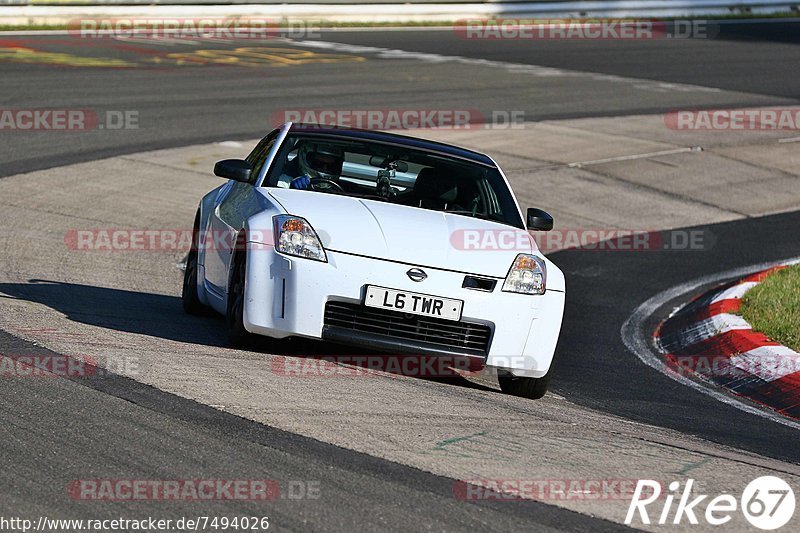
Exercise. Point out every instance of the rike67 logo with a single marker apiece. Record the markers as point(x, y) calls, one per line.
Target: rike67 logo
point(767, 503)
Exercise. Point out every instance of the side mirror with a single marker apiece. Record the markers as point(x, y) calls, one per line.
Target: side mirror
point(539, 220)
point(233, 169)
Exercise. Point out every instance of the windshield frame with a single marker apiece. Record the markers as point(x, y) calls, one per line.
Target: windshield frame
point(511, 212)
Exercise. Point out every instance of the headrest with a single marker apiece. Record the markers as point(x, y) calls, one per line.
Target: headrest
point(435, 184)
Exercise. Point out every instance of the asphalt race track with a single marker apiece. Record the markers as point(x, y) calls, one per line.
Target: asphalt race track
point(384, 453)
point(177, 105)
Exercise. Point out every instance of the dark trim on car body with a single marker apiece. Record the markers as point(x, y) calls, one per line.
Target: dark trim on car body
point(429, 267)
point(393, 138)
point(398, 345)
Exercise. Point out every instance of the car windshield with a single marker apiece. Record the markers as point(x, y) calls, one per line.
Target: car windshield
point(393, 173)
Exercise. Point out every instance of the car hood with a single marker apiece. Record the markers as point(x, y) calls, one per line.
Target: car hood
point(408, 234)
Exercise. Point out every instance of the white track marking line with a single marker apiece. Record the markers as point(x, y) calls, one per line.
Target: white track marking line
point(734, 293)
point(638, 342)
point(580, 164)
point(521, 68)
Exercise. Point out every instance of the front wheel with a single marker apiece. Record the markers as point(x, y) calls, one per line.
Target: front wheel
point(191, 302)
point(237, 334)
point(531, 388)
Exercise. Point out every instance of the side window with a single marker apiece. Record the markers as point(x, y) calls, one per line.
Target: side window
point(258, 156)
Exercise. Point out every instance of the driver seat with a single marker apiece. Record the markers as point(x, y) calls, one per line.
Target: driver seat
point(435, 189)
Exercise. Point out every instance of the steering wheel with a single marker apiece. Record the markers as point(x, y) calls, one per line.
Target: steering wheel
point(329, 184)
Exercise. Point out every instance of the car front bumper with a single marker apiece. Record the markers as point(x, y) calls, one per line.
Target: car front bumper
point(287, 296)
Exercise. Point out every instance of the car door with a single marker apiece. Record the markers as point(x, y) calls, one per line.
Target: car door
point(234, 204)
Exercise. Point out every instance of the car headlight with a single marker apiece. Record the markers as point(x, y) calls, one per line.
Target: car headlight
point(528, 275)
point(295, 236)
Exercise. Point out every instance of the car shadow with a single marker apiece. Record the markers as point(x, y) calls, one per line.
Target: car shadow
point(162, 316)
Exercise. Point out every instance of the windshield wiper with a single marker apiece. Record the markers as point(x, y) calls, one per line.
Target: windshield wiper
point(482, 216)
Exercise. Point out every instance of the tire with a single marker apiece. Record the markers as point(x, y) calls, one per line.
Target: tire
point(238, 336)
point(531, 388)
point(191, 302)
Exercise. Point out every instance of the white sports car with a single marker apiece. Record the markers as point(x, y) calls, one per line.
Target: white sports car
point(381, 241)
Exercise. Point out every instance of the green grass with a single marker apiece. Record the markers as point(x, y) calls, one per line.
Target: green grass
point(773, 307)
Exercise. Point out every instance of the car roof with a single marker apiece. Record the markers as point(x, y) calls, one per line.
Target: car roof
point(393, 138)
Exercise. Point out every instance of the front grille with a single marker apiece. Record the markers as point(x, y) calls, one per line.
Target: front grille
point(445, 333)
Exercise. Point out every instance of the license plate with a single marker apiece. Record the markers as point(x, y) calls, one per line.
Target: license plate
point(413, 302)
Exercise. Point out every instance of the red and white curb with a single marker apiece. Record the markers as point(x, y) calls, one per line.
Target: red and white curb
point(706, 340)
